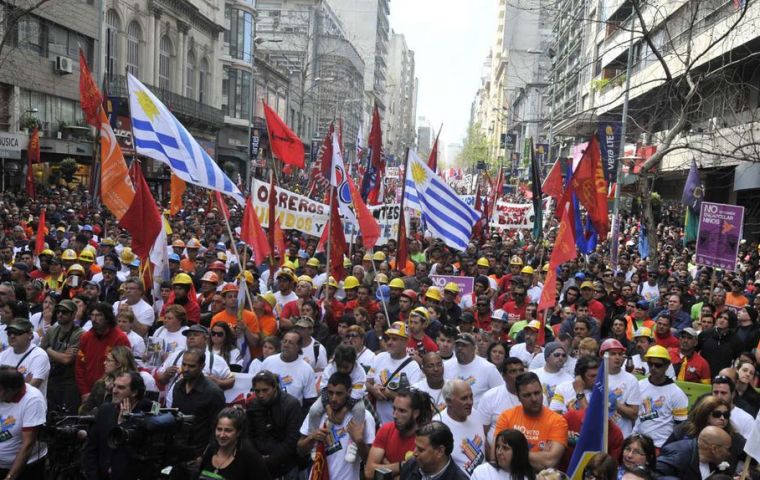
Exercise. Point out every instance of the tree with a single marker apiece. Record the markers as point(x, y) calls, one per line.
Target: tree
point(68, 167)
point(474, 147)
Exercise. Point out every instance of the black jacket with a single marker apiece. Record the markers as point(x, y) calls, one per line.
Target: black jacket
point(98, 458)
point(411, 471)
point(274, 430)
point(679, 460)
point(719, 349)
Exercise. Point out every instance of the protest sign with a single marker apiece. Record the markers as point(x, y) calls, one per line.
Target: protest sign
point(515, 215)
point(465, 284)
point(294, 211)
point(720, 230)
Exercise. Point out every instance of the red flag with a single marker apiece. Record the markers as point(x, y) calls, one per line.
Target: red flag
point(89, 95)
point(368, 226)
point(222, 205)
point(402, 250)
point(279, 239)
point(373, 178)
point(39, 241)
point(252, 233)
point(477, 230)
point(433, 158)
point(496, 190)
point(553, 182)
point(285, 144)
point(590, 186)
point(142, 220)
point(338, 246)
point(319, 469)
point(272, 213)
point(564, 251)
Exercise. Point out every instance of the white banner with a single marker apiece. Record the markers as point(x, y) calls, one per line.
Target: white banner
point(295, 211)
point(515, 215)
point(387, 217)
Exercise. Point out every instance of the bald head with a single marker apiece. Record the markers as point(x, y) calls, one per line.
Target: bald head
point(728, 372)
point(714, 445)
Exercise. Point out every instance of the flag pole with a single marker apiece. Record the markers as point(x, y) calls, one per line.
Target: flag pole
point(401, 216)
point(235, 252)
point(330, 220)
point(605, 427)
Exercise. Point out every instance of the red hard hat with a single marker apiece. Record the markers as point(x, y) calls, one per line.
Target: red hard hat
point(230, 287)
point(610, 344)
point(411, 294)
point(217, 265)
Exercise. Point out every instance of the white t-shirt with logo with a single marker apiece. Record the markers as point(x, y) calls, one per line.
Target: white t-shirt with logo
point(481, 374)
point(338, 442)
point(660, 407)
point(469, 441)
point(358, 380)
point(435, 393)
point(170, 341)
point(564, 397)
point(382, 368)
point(365, 358)
point(521, 351)
point(28, 412)
point(37, 363)
point(625, 388)
point(296, 377)
point(550, 381)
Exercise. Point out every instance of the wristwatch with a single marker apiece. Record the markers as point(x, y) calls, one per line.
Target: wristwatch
point(580, 396)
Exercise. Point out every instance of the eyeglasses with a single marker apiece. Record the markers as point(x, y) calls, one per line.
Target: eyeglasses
point(353, 335)
point(717, 414)
point(657, 364)
point(559, 355)
point(635, 451)
point(217, 333)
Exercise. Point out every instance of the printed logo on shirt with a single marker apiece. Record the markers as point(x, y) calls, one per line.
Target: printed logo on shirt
point(285, 381)
point(6, 424)
point(473, 450)
point(335, 435)
point(470, 380)
point(651, 408)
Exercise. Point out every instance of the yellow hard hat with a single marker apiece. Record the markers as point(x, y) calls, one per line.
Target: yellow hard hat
point(332, 283)
point(657, 351)
point(433, 293)
point(108, 241)
point(515, 260)
point(289, 264)
point(381, 278)
point(397, 283)
point(313, 262)
point(451, 287)
point(221, 256)
point(350, 282)
point(422, 312)
point(545, 268)
point(527, 270)
point(379, 257)
point(367, 257)
point(86, 256)
point(247, 275)
point(127, 256)
point(306, 278)
point(47, 252)
point(346, 262)
point(182, 279)
point(483, 262)
point(269, 298)
point(643, 332)
point(75, 268)
point(69, 254)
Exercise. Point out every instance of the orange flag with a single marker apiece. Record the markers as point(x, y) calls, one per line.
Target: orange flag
point(252, 233)
point(39, 241)
point(177, 189)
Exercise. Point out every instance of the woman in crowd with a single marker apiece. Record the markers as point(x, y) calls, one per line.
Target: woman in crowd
point(44, 319)
point(169, 337)
point(638, 451)
point(230, 456)
point(269, 346)
point(745, 371)
point(119, 360)
point(310, 309)
point(601, 467)
point(222, 342)
point(497, 352)
point(510, 461)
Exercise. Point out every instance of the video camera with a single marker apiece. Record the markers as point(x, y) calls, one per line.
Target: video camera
point(65, 435)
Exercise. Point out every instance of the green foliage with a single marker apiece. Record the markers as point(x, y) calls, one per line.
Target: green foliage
point(68, 168)
point(474, 148)
point(230, 169)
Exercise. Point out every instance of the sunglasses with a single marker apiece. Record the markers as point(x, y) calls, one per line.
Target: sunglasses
point(559, 355)
point(657, 364)
point(217, 334)
point(718, 414)
point(353, 335)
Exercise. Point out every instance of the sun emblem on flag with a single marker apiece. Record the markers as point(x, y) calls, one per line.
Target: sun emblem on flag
point(150, 108)
point(418, 174)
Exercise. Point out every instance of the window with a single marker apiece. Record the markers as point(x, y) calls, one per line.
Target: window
point(113, 25)
point(134, 38)
point(164, 63)
point(239, 33)
point(30, 34)
point(190, 76)
point(203, 81)
point(236, 93)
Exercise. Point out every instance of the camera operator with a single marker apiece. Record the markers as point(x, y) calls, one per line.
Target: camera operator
point(274, 419)
point(23, 410)
point(195, 394)
point(99, 460)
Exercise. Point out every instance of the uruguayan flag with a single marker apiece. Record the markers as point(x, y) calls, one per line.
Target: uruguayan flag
point(160, 136)
point(447, 216)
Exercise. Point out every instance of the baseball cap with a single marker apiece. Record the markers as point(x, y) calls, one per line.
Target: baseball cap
point(20, 325)
point(67, 305)
point(587, 284)
point(467, 317)
point(465, 338)
point(195, 328)
point(304, 322)
point(690, 331)
point(534, 324)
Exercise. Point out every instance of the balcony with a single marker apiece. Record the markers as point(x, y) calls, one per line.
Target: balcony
point(189, 112)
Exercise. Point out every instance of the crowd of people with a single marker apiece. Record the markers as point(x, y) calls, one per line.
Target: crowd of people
point(386, 371)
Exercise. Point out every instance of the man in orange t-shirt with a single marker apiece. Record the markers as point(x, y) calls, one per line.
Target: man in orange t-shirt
point(545, 430)
point(250, 325)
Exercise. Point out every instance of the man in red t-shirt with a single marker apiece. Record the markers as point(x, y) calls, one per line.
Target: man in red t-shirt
point(394, 441)
point(419, 343)
point(663, 335)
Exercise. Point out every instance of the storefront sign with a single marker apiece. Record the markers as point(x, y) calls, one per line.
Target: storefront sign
point(11, 144)
point(720, 230)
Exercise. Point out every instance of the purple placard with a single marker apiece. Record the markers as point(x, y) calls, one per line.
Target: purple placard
point(720, 230)
point(466, 284)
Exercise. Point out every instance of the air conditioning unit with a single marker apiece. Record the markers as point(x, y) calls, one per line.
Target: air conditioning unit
point(63, 65)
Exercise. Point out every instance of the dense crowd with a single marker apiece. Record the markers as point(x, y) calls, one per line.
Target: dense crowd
point(384, 372)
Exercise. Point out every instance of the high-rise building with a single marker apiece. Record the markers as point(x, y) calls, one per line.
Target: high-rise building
point(399, 130)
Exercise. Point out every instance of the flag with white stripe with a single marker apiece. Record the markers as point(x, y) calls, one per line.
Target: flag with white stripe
point(159, 135)
point(447, 216)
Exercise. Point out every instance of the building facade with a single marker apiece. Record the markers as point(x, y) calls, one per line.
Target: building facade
point(400, 99)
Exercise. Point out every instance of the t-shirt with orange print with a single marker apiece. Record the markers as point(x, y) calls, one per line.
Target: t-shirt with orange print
point(540, 430)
